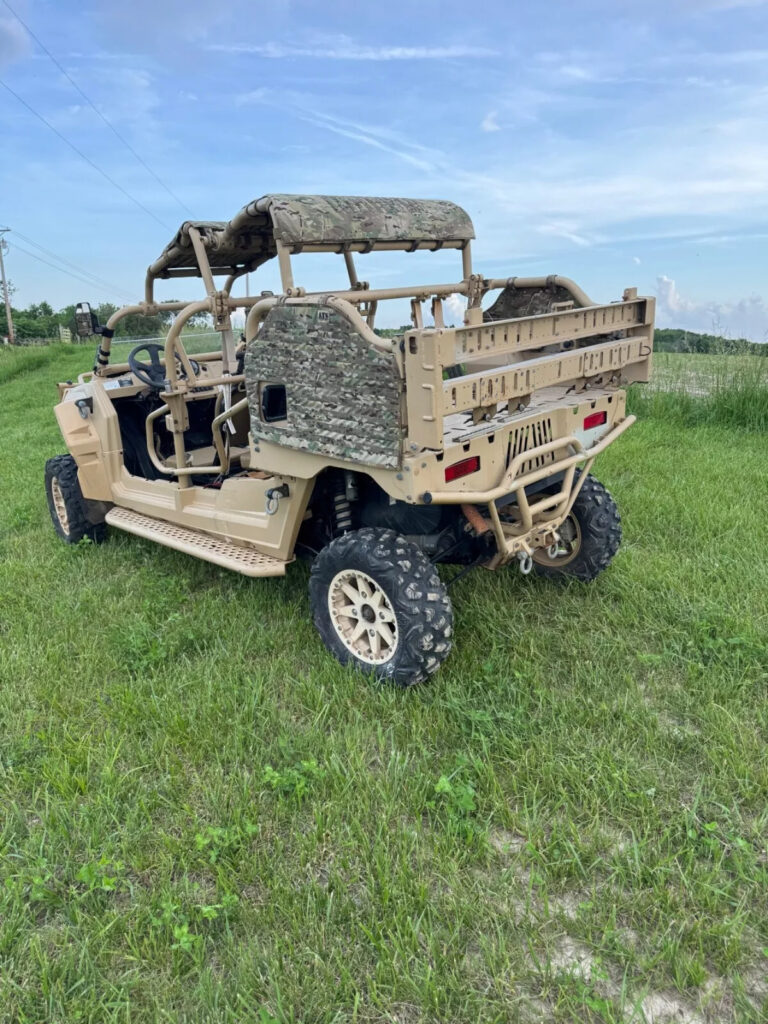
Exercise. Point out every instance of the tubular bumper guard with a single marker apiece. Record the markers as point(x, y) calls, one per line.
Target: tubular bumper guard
point(538, 522)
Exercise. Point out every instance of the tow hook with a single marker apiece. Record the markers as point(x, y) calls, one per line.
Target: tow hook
point(273, 496)
point(554, 548)
point(525, 562)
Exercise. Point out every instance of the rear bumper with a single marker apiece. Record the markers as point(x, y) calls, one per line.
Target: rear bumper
point(511, 482)
point(537, 521)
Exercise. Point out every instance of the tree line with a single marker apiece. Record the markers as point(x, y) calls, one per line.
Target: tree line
point(39, 320)
point(668, 339)
point(674, 339)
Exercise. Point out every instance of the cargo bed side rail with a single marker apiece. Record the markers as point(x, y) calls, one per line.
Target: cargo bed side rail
point(606, 346)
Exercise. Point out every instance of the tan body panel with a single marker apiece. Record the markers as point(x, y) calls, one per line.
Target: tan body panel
point(236, 511)
point(424, 471)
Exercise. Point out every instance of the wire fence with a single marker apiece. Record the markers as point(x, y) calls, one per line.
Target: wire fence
point(32, 342)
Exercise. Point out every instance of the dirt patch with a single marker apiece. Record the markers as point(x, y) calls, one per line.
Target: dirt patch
point(506, 843)
point(668, 1008)
point(677, 728)
point(572, 957)
point(405, 1013)
point(617, 842)
point(756, 986)
point(568, 904)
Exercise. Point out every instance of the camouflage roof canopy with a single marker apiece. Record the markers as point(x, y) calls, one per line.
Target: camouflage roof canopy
point(319, 223)
point(349, 220)
point(228, 252)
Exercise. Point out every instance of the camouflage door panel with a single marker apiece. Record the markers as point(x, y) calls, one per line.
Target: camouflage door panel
point(342, 396)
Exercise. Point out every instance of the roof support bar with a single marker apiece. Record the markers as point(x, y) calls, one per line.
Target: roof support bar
point(466, 261)
point(351, 270)
point(202, 261)
point(284, 259)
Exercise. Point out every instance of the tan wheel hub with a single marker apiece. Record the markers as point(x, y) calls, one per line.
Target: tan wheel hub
point(363, 616)
point(567, 547)
point(59, 504)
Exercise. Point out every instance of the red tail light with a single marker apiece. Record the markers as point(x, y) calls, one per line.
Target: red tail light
point(595, 419)
point(463, 468)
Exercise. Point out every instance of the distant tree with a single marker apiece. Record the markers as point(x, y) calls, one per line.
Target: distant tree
point(36, 321)
point(675, 339)
point(132, 326)
point(393, 332)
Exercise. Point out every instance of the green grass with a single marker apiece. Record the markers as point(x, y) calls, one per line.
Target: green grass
point(729, 390)
point(205, 818)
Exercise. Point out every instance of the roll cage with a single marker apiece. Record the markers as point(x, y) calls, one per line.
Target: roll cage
point(281, 226)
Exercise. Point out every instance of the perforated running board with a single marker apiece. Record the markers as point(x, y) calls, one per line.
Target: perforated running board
point(245, 560)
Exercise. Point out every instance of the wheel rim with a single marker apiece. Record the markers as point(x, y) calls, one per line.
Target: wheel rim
point(568, 545)
point(59, 504)
point(363, 617)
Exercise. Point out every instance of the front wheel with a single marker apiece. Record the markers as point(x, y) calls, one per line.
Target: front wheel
point(69, 509)
point(589, 537)
point(379, 604)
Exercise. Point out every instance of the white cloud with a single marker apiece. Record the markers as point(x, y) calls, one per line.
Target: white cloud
point(389, 142)
point(565, 231)
point(490, 122)
point(185, 21)
point(254, 96)
point(455, 306)
point(127, 97)
point(745, 318)
point(676, 188)
point(14, 42)
point(344, 48)
point(577, 72)
point(636, 260)
point(727, 5)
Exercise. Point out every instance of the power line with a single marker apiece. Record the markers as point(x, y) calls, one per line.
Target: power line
point(93, 106)
point(87, 159)
point(73, 266)
point(61, 270)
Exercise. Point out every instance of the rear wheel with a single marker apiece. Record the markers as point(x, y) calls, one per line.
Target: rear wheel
point(379, 604)
point(589, 537)
point(68, 507)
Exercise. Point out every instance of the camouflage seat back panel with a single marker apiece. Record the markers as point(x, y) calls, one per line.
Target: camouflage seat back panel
point(342, 396)
point(513, 303)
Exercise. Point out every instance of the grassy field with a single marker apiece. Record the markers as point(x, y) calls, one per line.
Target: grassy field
point(205, 818)
point(730, 390)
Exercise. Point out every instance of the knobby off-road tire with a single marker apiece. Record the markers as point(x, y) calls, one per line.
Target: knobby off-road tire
point(68, 507)
point(592, 536)
point(379, 604)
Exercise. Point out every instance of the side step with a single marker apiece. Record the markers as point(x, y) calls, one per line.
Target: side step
point(246, 560)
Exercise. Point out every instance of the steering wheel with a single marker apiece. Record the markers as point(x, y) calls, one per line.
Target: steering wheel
point(153, 373)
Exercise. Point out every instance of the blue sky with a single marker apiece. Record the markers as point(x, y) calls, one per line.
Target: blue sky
point(619, 143)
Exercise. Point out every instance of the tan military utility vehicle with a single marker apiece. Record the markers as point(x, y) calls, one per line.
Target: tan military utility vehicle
point(377, 457)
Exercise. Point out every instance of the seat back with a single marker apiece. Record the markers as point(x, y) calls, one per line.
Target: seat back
point(341, 396)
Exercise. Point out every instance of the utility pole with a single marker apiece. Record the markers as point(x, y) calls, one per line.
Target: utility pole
point(6, 296)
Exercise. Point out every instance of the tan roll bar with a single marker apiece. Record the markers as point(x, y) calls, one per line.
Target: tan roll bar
point(578, 295)
point(344, 301)
point(281, 225)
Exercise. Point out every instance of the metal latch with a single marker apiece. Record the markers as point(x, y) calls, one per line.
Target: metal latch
point(85, 407)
